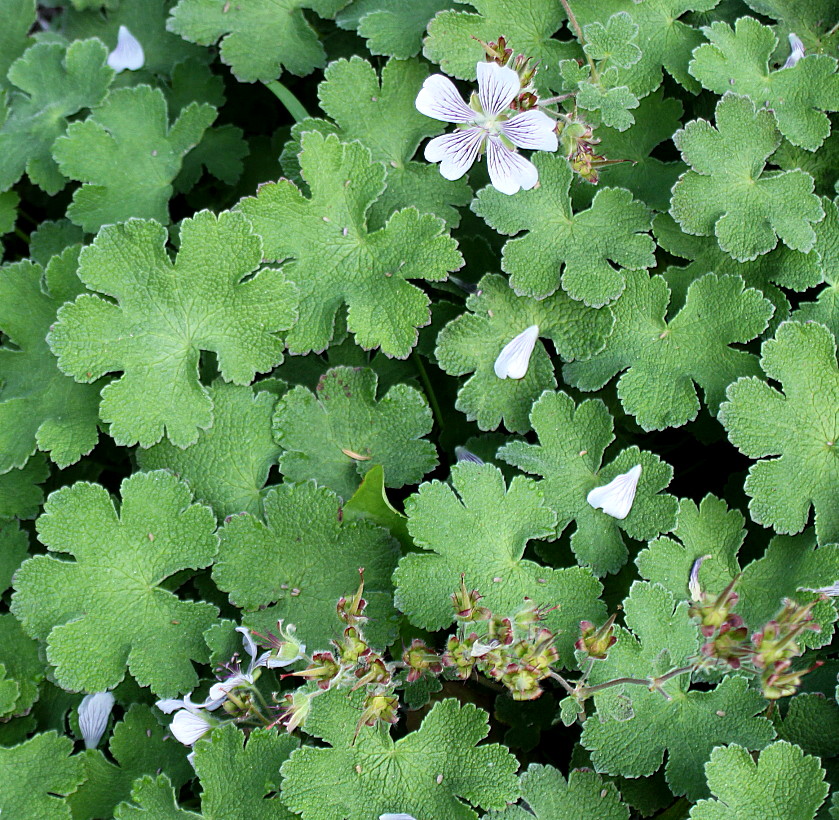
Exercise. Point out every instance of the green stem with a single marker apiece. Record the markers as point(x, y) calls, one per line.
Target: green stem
point(22, 235)
point(429, 390)
point(582, 40)
point(292, 104)
point(832, 31)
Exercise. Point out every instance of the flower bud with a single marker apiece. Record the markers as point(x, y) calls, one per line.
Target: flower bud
point(419, 658)
point(596, 642)
point(350, 610)
point(458, 655)
point(323, 669)
point(465, 604)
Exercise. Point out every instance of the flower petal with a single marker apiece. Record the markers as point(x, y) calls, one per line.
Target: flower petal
point(462, 454)
point(509, 171)
point(497, 87)
point(616, 497)
point(128, 53)
point(188, 727)
point(248, 642)
point(218, 691)
point(531, 129)
point(796, 51)
point(94, 711)
point(439, 99)
point(456, 151)
point(399, 816)
point(514, 359)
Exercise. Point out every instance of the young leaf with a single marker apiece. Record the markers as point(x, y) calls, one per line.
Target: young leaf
point(259, 38)
point(738, 60)
point(368, 110)
point(527, 25)
point(298, 564)
point(336, 434)
point(228, 466)
point(391, 27)
point(430, 771)
point(54, 82)
point(139, 745)
point(480, 529)
point(592, 260)
point(165, 313)
point(127, 155)
point(227, 765)
point(729, 194)
point(612, 101)
point(783, 782)
point(108, 609)
point(688, 724)
point(153, 797)
point(549, 797)
point(337, 261)
point(472, 342)
point(569, 456)
point(40, 407)
point(762, 421)
point(664, 360)
point(37, 776)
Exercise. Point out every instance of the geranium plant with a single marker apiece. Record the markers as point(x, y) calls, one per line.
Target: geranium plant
point(419, 411)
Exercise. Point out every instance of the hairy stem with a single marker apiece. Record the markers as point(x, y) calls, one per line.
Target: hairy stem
point(582, 40)
point(291, 103)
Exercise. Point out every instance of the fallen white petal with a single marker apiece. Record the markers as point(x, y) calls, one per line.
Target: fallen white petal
point(128, 54)
point(399, 816)
point(693, 583)
point(462, 454)
point(439, 99)
point(796, 51)
point(456, 151)
point(531, 129)
point(94, 711)
point(188, 727)
point(497, 87)
point(514, 359)
point(616, 497)
point(509, 171)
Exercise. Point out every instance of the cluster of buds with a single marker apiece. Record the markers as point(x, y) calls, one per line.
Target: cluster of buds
point(499, 52)
point(769, 651)
point(517, 651)
point(577, 141)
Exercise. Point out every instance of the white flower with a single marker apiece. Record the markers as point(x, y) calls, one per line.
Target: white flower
point(128, 53)
point(796, 51)
point(94, 711)
point(832, 591)
point(514, 359)
point(169, 705)
point(616, 497)
point(218, 691)
point(190, 726)
point(488, 124)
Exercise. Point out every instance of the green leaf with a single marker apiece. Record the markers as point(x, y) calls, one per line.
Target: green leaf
point(370, 502)
point(52, 238)
point(153, 799)
point(729, 193)
point(391, 27)
point(258, 39)
point(228, 766)
point(107, 609)
point(612, 44)
point(430, 771)
point(550, 797)
point(472, 342)
point(37, 776)
point(40, 407)
point(711, 530)
point(811, 722)
point(9, 200)
point(140, 746)
point(689, 724)
point(337, 261)
point(664, 360)
point(782, 782)
point(298, 564)
point(14, 543)
point(613, 101)
point(336, 434)
point(127, 155)
point(572, 441)
point(527, 25)
point(738, 60)
point(761, 421)
point(369, 111)
point(146, 20)
point(18, 18)
point(165, 313)
point(19, 494)
point(54, 82)
point(479, 528)
point(228, 466)
point(592, 250)
point(22, 664)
